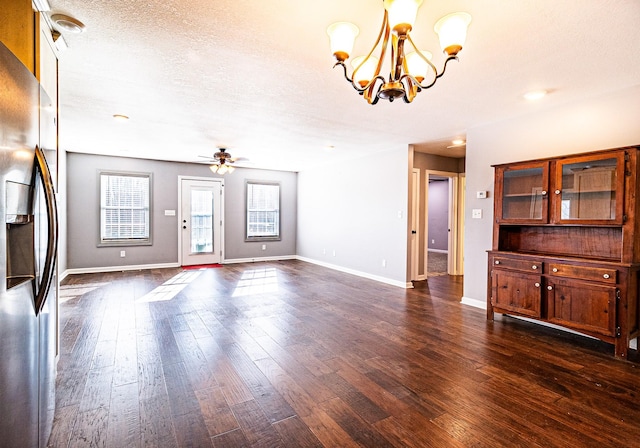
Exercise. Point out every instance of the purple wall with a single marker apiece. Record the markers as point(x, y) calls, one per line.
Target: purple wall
point(438, 213)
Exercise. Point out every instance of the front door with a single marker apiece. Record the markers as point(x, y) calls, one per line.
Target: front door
point(200, 221)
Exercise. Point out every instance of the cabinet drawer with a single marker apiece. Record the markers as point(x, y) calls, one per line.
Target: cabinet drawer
point(518, 264)
point(604, 275)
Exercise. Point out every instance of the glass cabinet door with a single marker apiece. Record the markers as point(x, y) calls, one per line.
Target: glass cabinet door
point(590, 189)
point(523, 195)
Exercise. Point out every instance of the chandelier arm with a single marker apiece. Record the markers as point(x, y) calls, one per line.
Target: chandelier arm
point(438, 76)
point(344, 68)
point(384, 30)
point(369, 95)
point(425, 59)
point(397, 59)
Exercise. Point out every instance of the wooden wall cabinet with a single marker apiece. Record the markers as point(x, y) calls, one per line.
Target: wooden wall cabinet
point(565, 247)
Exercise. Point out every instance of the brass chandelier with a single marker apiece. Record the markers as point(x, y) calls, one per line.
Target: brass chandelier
point(409, 74)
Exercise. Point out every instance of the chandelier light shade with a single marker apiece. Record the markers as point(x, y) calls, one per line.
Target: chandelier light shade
point(408, 74)
point(343, 35)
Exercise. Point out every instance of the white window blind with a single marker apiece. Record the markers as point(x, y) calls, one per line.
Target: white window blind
point(263, 210)
point(124, 208)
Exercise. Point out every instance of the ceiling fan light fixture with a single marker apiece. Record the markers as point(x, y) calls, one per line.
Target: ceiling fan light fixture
point(409, 73)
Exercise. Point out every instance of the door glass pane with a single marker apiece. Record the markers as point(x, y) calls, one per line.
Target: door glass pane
point(201, 221)
point(589, 190)
point(522, 195)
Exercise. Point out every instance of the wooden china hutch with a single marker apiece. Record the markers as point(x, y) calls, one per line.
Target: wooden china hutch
point(566, 243)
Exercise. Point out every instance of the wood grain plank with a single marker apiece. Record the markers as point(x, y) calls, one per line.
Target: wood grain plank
point(216, 412)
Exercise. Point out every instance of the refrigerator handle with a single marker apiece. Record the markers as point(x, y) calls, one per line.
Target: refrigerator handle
point(52, 240)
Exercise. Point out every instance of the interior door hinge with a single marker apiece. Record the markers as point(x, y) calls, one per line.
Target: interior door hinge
point(618, 332)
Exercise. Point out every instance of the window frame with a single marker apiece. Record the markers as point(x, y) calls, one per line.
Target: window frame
point(249, 238)
point(148, 241)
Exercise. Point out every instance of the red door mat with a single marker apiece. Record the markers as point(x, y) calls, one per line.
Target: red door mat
point(202, 266)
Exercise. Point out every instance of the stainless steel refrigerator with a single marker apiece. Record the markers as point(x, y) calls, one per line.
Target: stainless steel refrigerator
point(28, 247)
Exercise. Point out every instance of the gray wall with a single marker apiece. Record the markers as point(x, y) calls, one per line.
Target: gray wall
point(83, 208)
point(353, 215)
point(602, 122)
point(438, 215)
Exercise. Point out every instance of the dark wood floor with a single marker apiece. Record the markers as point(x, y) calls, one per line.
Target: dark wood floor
point(288, 354)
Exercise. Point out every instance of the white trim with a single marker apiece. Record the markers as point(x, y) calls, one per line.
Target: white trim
point(179, 220)
point(133, 267)
point(440, 251)
point(377, 278)
point(258, 259)
point(415, 224)
point(474, 302)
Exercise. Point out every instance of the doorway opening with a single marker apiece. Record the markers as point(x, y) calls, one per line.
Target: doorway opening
point(444, 223)
point(200, 221)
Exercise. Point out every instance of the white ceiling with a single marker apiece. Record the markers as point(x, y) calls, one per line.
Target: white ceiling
point(256, 76)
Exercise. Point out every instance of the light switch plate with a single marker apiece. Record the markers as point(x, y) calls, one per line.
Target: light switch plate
point(476, 213)
point(481, 194)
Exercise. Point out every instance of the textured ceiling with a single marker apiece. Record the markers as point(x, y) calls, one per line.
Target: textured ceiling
point(256, 77)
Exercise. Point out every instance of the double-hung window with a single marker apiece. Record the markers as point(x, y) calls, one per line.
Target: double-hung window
point(263, 211)
point(125, 217)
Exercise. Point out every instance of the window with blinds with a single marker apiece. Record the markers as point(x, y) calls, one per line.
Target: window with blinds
point(263, 210)
point(124, 208)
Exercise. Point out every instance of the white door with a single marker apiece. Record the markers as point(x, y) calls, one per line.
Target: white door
point(200, 221)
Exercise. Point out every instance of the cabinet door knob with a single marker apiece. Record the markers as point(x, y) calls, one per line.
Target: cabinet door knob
point(557, 191)
point(550, 287)
point(555, 269)
point(606, 276)
point(534, 267)
point(497, 262)
point(537, 285)
point(543, 192)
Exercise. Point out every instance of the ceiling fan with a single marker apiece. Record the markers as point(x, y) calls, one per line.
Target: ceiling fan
point(222, 161)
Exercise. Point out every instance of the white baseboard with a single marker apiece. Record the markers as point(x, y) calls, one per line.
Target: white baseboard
point(258, 259)
point(440, 251)
point(377, 278)
point(136, 267)
point(474, 302)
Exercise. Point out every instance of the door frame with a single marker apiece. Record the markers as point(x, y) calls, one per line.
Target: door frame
point(454, 237)
point(415, 225)
point(179, 220)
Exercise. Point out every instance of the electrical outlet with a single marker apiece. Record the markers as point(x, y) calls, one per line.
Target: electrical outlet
point(334, 252)
point(433, 241)
point(122, 254)
point(384, 263)
point(264, 247)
